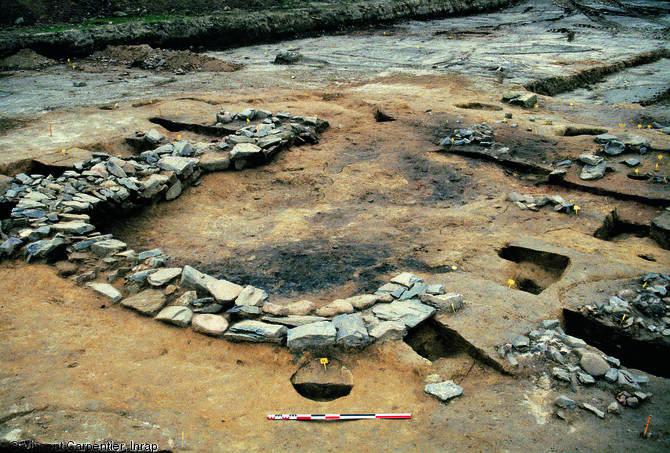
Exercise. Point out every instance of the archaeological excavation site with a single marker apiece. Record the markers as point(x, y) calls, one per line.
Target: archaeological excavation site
point(389, 225)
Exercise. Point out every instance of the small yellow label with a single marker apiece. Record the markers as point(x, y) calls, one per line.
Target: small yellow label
point(510, 282)
point(324, 362)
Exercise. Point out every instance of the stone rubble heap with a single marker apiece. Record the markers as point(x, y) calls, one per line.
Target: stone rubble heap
point(535, 203)
point(595, 166)
point(476, 134)
point(573, 364)
point(645, 307)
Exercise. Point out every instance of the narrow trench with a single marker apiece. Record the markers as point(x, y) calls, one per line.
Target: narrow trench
point(640, 350)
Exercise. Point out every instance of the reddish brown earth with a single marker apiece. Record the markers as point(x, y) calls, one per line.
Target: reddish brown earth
point(323, 222)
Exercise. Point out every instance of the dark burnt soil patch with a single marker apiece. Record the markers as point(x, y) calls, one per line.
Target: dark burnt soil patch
point(311, 265)
point(436, 184)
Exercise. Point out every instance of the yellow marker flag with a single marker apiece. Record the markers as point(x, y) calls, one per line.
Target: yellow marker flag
point(510, 282)
point(324, 362)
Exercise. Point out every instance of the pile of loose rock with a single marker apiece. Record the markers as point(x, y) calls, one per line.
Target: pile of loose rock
point(51, 220)
point(535, 203)
point(476, 134)
point(646, 307)
point(573, 364)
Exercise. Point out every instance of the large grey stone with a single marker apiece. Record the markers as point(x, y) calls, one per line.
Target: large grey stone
point(163, 276)
point(10, 245)
point(410, 312)
point(300, 308)
point(311, 336)
point(174, 191)
point(73, 227)
point(590, 172)
point(362, 301)
point(389, 330)
point(107, 247)
point(590, 159)
point(565, 402)
point(406, 279)
point(182, 166)
point(153, 136)
point(46, 248)
point(293, 321)
point(251, 296)
point(527, 101)
point(106, 290)
point(351, 331)
point(256, 332)
point(444, 391)
point(451, 302)
point(209, 324)
point(214, 162)
point(244, 151)
point(147, 302)
point(594, 364)
point(223, 290)
point(175, 315)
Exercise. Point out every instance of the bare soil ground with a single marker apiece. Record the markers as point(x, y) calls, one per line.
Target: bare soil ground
point(323, 222)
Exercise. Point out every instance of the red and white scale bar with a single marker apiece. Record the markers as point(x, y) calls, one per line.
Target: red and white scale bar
point(338, 416)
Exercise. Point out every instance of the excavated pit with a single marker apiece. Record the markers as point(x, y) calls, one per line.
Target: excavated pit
point(323, 380)
point(531, 270)
point(638, 349)
point(433, 341)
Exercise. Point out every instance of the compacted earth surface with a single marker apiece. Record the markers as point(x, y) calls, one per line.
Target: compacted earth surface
point(438, 164)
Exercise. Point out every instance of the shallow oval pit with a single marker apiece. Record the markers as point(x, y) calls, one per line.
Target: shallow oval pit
point(323, 383)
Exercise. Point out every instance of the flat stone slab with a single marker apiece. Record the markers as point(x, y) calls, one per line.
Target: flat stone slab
point(213, 325)
point(293, 321)
point(256, 332)
point(106, 290)
point(251, 296)
point(182, 166)
point(223, 290)
point(311, 336)
point(176, 315)
point(410, 312)
point(444, 391)
point(163, 276)
point(147, 302)
point(73, 227)
point(389, 330)
point(107, 247)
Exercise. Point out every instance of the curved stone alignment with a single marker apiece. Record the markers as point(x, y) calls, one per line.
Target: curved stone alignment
point(52, 220)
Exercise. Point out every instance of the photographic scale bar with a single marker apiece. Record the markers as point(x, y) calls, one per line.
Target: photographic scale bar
point(338, 416)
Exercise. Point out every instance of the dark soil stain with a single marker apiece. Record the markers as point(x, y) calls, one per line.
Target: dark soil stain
point(436, 184)
point(308, 265)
